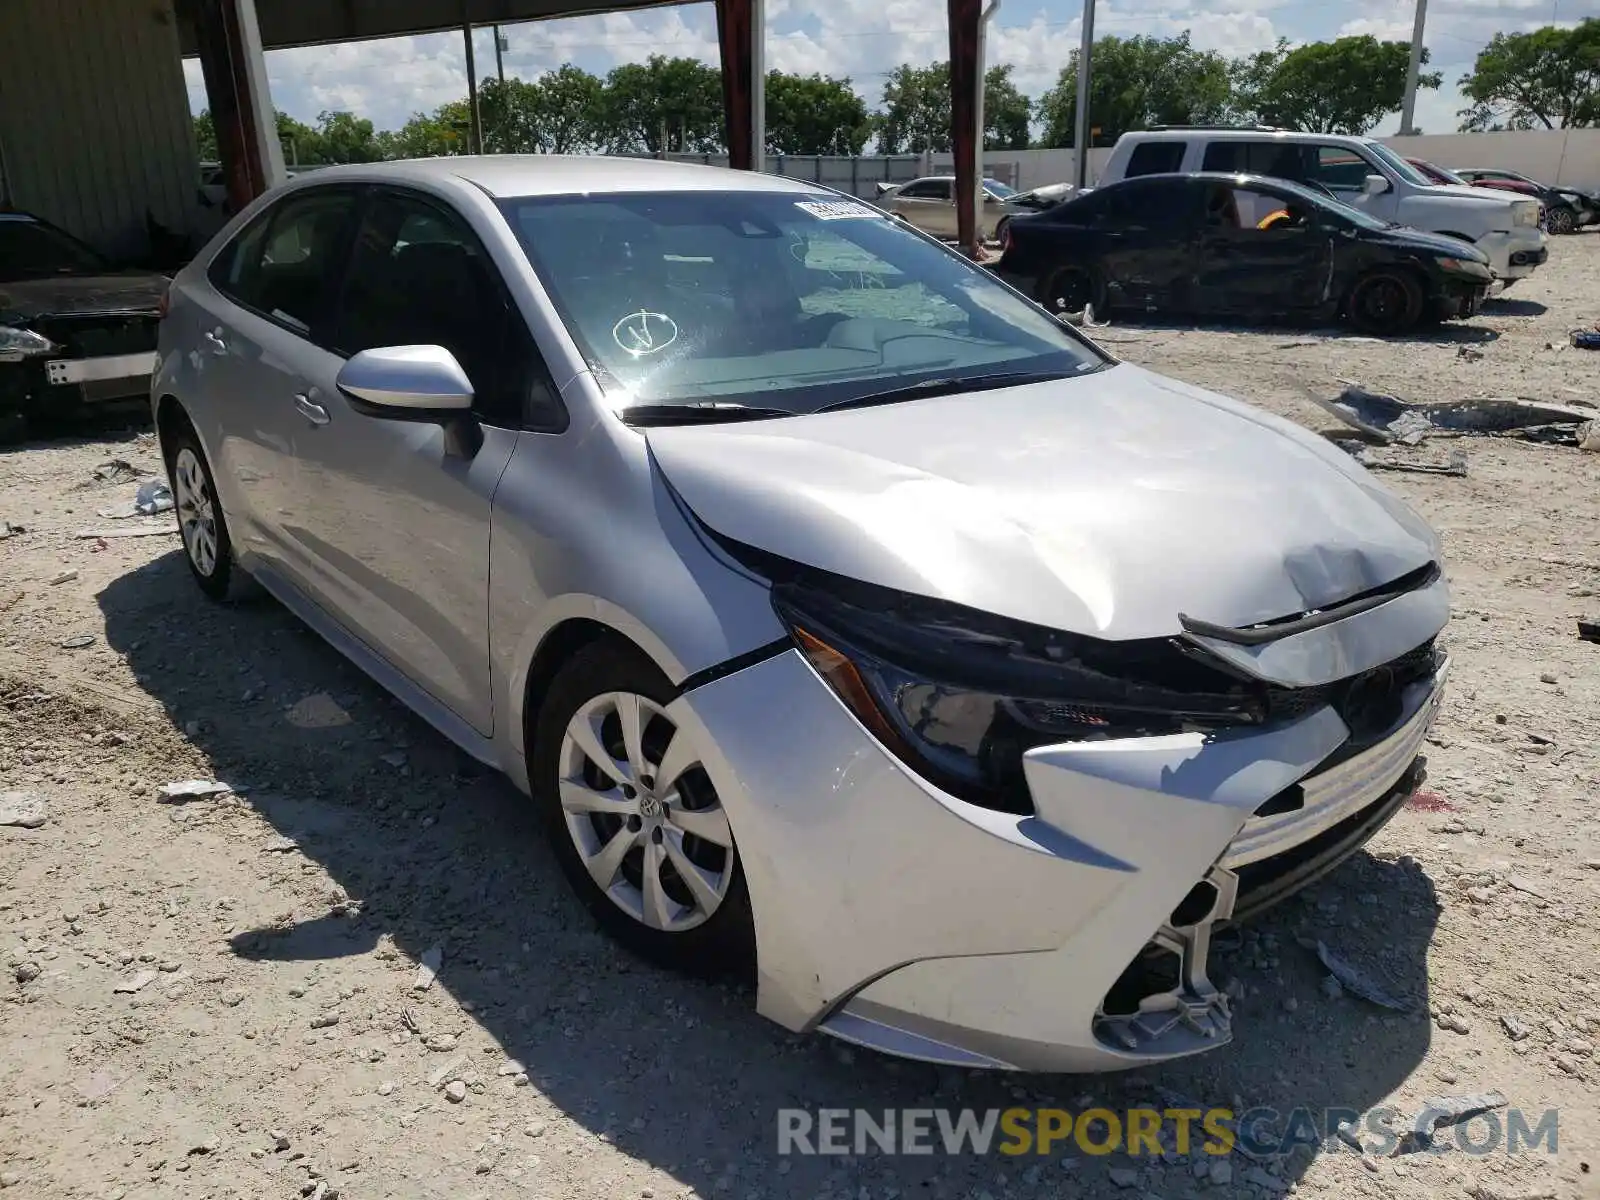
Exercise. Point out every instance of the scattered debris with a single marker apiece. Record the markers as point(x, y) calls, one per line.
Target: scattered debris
point(280, 845)
point(25, 810)
point(1516, 1028)
point(1589, 631)
point(190, 789)
point(395, 758)
point(455, 1091)
point(26, 972)
point(511, 1067)
point(153, 496)
point(7, 529)
point(80, 642)
point(1585, 339)
point(1441, 1112)
point(63, 577)
point(1388, 419)
point(428, 969)
point(1455, 464)
point(1523, 884)
point(129, 986)
point(1358, 984)
point(118, 470)
point(325, 1020)
point(1469, 353)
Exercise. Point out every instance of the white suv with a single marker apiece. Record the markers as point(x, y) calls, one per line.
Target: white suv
point(1359, 171)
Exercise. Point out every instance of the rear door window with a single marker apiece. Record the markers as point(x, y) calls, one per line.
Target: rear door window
point(283, 264)
point(1340, 169)
point(1155, 158)
point(1274, 159)
point(928, 189)
point(1150, 203)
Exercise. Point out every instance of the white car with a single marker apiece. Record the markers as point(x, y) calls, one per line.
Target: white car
point(1360, 171)
point(853, 625)
point(929, 204)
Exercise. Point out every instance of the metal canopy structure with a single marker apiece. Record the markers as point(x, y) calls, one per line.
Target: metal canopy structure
point(230, 37)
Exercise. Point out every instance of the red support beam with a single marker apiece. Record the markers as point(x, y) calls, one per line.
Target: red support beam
point(735, 23)
point(964, 17)
point(221, 43)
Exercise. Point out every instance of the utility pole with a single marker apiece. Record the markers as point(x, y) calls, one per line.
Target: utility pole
point(1080, 133)
point(1408, 107)
point(758, 85)
point(501, 45)
point(989, 10)
point(475, 128)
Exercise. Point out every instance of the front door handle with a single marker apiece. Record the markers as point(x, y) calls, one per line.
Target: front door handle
point(214, 340)
point(310, 409)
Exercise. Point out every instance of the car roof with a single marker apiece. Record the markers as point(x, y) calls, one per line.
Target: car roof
point(1236, 178)
point(1221, 134)
point(513, 175)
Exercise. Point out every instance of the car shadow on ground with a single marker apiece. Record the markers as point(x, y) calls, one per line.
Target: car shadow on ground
point(1508, 306)
point(681, 1074)
point(1296, 334)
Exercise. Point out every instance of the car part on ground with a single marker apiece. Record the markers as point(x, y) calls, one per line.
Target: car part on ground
point(795, 567)
point(75, 333)
point(1239, 246)
point(1360, 171)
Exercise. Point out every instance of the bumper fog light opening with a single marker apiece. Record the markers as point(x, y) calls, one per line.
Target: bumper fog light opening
point(1191, 1010)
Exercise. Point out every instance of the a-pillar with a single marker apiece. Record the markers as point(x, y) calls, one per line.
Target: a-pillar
point(741, 33)
point(235, 70)
point(964, 18)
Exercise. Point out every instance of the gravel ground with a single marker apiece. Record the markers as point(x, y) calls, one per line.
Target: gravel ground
point(217, 998)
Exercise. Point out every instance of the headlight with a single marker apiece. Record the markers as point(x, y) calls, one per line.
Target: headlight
point(1464, 266)
point(960, 695)
point(1525, 213)
point(16, 344)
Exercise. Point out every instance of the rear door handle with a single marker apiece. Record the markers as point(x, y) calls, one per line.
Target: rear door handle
point(310, 409)
point(214, 340)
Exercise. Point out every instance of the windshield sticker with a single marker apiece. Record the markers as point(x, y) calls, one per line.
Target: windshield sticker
point(645, 332)
point(837, 210)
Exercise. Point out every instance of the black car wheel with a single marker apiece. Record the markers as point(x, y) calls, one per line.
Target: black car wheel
point(1385, 303)
point(1071, 290)
point(1561, 220)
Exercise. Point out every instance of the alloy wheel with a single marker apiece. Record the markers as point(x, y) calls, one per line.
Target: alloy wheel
point(1561, 221)
point(642, 813)
point(196, 511)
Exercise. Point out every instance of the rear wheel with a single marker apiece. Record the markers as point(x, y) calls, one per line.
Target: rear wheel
point(1385, 303)
point(636, 822)
point(1561, 220)
point(207, 546)
point(1071, 290)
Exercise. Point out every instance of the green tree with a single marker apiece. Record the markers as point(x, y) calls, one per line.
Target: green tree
point(300, 142)
point(1548, 78)
point(510, 112)
point(814, 114)
point(427, 135)
point(346, 138)
point(663, 104)
point(205, 136)
point(1344, 86)
point(1137, 82)
point(916, 112)
point(571, 111)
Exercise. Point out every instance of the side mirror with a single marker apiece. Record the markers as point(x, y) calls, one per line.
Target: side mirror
point(1375, 185)
point(407, 383)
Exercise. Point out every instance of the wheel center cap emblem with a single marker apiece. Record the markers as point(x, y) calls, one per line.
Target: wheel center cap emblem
point(649, 806)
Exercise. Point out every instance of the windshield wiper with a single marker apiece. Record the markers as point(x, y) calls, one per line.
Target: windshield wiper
point(698, 413)
point(947, 386)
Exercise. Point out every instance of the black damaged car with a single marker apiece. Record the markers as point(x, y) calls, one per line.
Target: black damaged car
point(76, 333)
point(1239, 246)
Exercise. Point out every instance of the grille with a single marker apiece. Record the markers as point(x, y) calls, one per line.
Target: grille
point(1368, 703)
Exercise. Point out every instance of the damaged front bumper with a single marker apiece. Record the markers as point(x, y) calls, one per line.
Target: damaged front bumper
point(1076, 938)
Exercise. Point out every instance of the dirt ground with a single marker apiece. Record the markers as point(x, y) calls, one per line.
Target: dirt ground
point(217, 998)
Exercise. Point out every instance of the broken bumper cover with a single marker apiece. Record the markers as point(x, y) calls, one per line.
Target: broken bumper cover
point(895, 916)
point(1514, 255)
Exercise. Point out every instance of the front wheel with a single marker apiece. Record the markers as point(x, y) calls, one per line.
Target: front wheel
point(636, 822)
point(1561, 221)
point(1385, 303)
point(1071, 290)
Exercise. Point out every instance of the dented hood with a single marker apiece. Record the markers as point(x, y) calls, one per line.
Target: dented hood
point(1102, 505)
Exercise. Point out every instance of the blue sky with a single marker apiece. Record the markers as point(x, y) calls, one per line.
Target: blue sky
point(389, 80)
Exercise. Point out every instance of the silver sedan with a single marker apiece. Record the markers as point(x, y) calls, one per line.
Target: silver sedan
point(854, 625)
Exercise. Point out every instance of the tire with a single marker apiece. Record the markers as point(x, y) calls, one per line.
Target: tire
point(1000, 227)
point(605, 825)
point(1385, 303)
point(207, 546)
point(1071, 289)
point(13, 428)
point(1561, 220)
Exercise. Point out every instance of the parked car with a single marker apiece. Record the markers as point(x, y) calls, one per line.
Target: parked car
point(929, 204)
point(1567, 209)
point(1440, 177)
point(1242, 246)
point(1361, 171)
point(798, 569)
point(75, 331)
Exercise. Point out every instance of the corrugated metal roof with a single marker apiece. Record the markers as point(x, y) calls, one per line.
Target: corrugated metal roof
point(95, 127)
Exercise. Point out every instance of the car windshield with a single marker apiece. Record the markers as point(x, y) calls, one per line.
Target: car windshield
point(1447, 176)
point(31, 250)
point(1397, 164)
point(998, 190)
point(784, 301)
